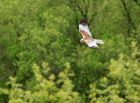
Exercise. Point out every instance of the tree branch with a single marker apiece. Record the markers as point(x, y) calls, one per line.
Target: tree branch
point(129, 18)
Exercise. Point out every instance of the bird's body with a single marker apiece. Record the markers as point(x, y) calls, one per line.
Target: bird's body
point(87, 36)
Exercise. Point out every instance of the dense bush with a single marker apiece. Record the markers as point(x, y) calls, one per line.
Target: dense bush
point(36, 31)
point(121, 84)
point(44, 88)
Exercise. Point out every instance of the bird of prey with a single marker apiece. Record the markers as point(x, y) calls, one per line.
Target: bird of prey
point(87, 36)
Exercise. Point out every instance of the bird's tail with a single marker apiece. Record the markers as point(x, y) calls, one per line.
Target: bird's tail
point(99, 41)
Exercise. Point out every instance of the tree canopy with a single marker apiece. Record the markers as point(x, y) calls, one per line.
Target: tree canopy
point(42, 60)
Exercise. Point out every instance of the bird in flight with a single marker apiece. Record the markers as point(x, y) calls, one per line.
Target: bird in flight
point(87, 36)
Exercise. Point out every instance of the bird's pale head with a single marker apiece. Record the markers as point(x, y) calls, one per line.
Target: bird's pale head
point(83, 22)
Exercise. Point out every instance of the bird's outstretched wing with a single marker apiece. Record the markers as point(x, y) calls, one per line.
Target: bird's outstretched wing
point(87, 37)
point(84, 28)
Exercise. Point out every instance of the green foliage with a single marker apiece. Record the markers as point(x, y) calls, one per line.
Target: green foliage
point(34, 31)
point(121, 84)
point(46, 88)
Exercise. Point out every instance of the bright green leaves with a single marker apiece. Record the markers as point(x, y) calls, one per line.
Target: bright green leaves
point(34, 31)
point(121, 83)
point(47, 89)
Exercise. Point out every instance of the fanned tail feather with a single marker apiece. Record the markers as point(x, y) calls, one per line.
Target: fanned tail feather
point(99, 41)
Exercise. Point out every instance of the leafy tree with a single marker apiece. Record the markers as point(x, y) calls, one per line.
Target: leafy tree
point(34, 31)
point(45, 88)
point(121, 84)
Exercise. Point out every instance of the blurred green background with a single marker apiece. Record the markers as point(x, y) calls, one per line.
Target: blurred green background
point(42, 60)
